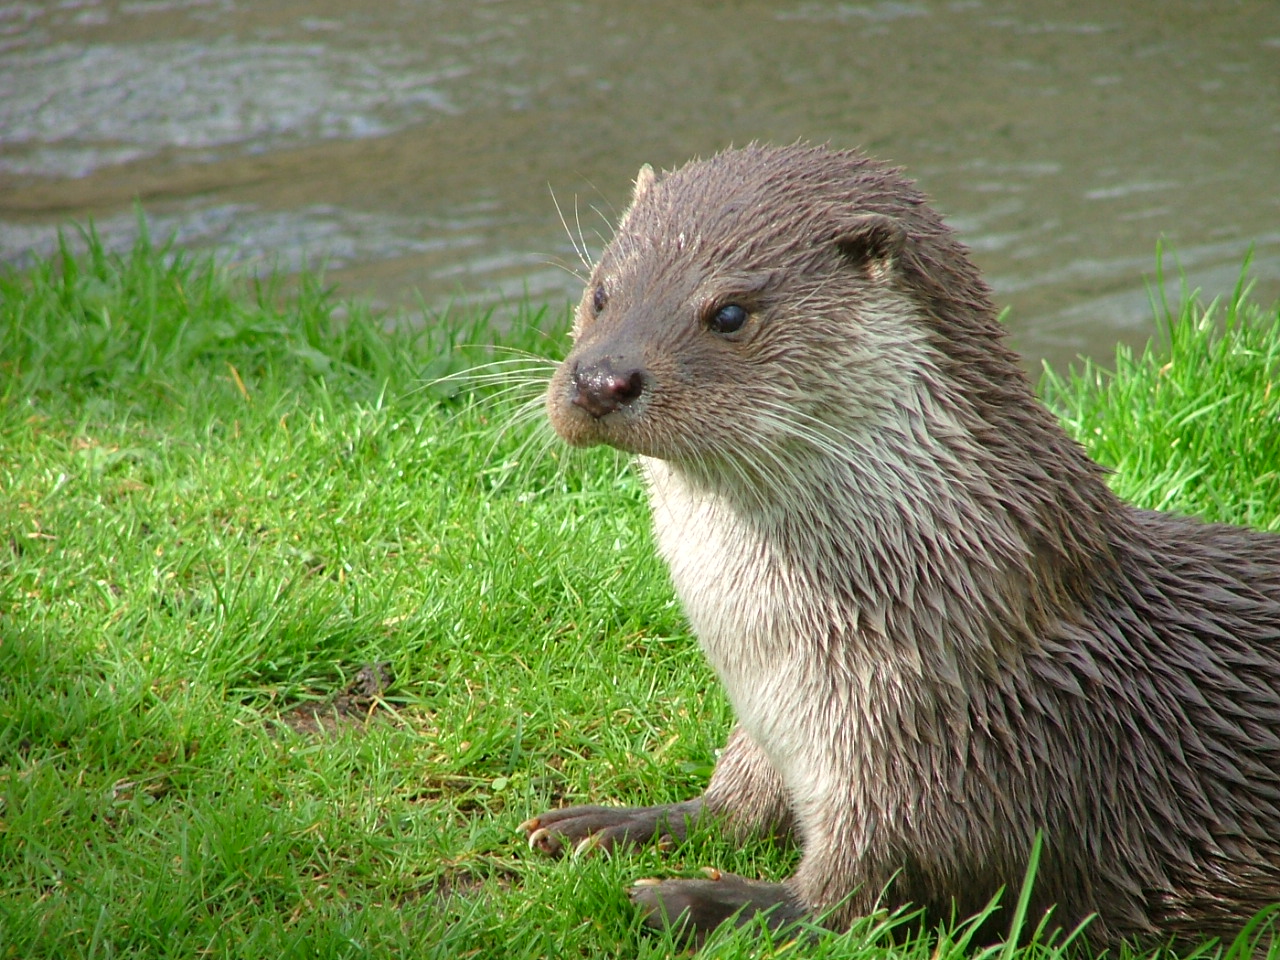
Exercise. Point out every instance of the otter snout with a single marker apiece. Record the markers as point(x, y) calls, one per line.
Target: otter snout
point(597, 396)
point(601, 387)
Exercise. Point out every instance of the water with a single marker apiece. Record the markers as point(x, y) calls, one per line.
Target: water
point(414, 148)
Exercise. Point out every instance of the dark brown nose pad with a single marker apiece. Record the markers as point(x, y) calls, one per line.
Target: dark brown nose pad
point(602, 387)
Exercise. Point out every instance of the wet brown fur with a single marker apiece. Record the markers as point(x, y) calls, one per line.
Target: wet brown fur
point(939, 628)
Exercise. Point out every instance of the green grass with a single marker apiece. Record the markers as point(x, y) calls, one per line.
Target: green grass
point(222, 507)
point(1192, 424)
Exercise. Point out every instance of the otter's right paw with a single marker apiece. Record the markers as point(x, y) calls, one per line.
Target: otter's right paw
point(608, 828)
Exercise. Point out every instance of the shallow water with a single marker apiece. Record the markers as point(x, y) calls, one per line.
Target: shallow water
point(415, 147)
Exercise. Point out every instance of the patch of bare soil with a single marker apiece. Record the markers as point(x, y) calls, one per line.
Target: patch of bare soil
point(356, 703)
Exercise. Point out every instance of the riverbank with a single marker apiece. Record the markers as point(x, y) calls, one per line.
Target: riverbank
point(291, 637)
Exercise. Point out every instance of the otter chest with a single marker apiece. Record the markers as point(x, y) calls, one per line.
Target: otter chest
point(758, 620)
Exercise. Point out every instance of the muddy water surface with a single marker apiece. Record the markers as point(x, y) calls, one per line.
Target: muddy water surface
point(415, 146)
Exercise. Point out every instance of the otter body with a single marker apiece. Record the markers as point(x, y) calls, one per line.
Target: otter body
point(940, 631)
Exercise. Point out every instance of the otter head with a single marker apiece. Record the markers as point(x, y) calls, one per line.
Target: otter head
point(749, 299)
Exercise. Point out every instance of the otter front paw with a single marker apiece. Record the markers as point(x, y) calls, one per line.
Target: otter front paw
point(606, 828)
point(693, 908)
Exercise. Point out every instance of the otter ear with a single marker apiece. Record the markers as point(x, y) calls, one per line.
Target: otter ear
point(873, 242)
point(644, 180)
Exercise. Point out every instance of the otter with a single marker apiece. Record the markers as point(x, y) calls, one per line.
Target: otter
point(941, 633)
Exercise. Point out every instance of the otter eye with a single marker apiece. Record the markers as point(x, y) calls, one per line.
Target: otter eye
point(599, 299)
point(728, 319)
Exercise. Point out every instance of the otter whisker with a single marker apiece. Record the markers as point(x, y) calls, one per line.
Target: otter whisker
point(818, 433)
point(529, 369)
point(581, 251)
point(525, 415)
point(582, 241)
point(608, 226)
point(559, 265)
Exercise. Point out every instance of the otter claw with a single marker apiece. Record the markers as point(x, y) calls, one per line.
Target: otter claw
point(537, 836)
point(530, 825)
point(586, 844)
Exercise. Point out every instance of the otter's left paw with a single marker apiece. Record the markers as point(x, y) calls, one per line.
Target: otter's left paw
point(693, 908)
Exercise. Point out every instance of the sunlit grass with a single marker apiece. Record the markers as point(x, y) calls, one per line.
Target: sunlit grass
point(291, 640)
point(1192, 423)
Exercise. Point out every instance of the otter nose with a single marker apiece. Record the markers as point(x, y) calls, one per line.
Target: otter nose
point(605, 385)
